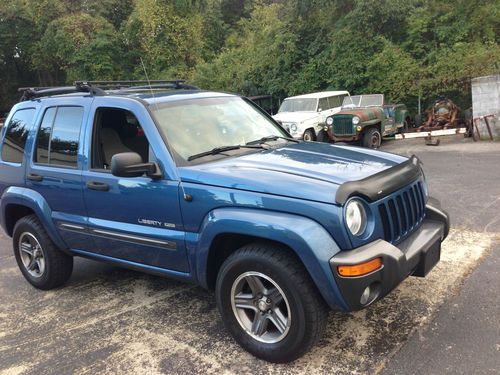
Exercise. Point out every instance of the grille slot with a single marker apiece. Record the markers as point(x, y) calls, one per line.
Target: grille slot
point(402, 212)
point(342, 125)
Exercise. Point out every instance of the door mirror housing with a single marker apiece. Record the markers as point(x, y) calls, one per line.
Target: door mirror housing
point(130, 164)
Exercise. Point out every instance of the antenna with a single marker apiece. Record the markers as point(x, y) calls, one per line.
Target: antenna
point(187, 197)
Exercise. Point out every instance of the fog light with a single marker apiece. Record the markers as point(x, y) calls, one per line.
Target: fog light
point(359, 128)
point(365, 296)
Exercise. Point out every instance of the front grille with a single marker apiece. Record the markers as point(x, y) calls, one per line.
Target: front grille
point(402, 212)
point(342, 125)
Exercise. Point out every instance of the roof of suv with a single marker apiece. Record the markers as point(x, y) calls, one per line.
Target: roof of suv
point(157, 96)
point(154, 92)
point(319, 95)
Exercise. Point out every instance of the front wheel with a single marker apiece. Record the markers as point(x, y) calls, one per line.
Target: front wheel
point(309, 135)
point(269, 303)
point(372, 138)
point(323, 136)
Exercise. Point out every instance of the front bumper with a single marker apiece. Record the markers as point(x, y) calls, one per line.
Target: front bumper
point(416, 255)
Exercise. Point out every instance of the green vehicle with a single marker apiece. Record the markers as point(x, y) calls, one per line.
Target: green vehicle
point(397, 114)
point(362, 119)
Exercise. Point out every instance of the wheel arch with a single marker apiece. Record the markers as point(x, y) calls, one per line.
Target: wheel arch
point(17, 202)
point(227, 229)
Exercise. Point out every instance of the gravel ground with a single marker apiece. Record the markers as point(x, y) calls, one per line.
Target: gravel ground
point(109, 320)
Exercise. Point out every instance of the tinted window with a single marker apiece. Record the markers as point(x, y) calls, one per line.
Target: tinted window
point(58, 137)
point(323, 104)
point(16, 135)
point(336, 101)
point(43, 137)
point(65, 136)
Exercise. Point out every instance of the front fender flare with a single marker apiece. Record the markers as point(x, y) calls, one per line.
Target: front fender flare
point(35, 201)
point(309, 240)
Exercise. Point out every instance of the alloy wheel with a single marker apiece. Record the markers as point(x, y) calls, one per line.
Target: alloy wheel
point(31, 254)
point(261, 307)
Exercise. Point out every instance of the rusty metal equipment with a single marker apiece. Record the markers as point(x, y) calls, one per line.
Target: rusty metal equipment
point(477, 121)
point(442, 115)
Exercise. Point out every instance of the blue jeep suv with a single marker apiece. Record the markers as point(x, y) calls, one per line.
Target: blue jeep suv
point(206, 187)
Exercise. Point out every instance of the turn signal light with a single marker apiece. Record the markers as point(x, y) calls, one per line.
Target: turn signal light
point(360, 269)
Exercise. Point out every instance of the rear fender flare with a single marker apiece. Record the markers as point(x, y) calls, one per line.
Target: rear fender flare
point(35, 201)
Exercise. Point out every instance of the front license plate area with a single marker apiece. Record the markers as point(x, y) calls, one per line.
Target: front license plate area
point(428, 260)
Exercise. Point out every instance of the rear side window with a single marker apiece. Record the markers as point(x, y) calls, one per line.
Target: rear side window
point(14, 142)
point(336, 101)
point(323, 104)
point(59, 136)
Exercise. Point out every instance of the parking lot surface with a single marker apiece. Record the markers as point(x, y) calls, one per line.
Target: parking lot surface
point(110, 320)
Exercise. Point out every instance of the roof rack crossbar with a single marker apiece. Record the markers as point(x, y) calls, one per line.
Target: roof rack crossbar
point(98, 88)
point(128, 84)
point(38, 92)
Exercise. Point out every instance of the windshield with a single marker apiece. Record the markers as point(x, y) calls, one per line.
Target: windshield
point(299, 105)
point(373, 100)
point(195, 126)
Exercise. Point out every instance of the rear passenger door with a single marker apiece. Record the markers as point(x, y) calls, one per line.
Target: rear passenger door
point(55, 168)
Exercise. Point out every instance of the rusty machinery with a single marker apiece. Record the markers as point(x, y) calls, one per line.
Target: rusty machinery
point(443, 114)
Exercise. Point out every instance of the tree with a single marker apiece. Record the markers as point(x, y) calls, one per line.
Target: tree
point(82, 46)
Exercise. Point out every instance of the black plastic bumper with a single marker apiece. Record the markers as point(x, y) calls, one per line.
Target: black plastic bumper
point(416, 255)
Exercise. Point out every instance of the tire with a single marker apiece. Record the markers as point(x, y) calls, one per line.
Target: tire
point(294, 302)
point(309, 135)
point(42, 264)
point(323, 137)
point(372, 138)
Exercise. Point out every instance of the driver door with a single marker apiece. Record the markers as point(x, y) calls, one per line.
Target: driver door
point(134, 219)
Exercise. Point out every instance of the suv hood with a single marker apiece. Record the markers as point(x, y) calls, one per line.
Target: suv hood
point(295, 116)
point(307, 170)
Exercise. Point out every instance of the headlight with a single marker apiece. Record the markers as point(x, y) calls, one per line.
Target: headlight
point(355, 120)
point(355, 217)
point(329, 121)
point(293, 127)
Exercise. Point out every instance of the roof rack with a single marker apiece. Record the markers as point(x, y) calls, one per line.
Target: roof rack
point(140, 85)
point(98, 88)
point(37, 92)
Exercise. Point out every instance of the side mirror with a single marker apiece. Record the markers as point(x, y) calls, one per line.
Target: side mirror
point(320, 109)
point(130, 164)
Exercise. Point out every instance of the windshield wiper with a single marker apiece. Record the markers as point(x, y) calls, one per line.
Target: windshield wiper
point(272, 138)
point(218, 150)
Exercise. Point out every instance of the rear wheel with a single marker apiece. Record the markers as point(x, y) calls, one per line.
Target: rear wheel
point(269, 303)
point(372, 138)
point(41, 263)
point(309, 135)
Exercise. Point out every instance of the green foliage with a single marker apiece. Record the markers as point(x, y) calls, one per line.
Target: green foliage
point(82, 46)
point(258, 56)
point(401, 48)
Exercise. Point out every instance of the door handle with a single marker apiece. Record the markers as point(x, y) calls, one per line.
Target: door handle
point(34, 177)
point(100, 186)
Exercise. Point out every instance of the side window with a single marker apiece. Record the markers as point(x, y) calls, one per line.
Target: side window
point(336, 101)
point(59, 136)
point(116, 131)
point(16, 135)
point(323, 104)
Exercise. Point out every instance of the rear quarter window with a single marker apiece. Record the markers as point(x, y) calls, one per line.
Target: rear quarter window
point(14, 142)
